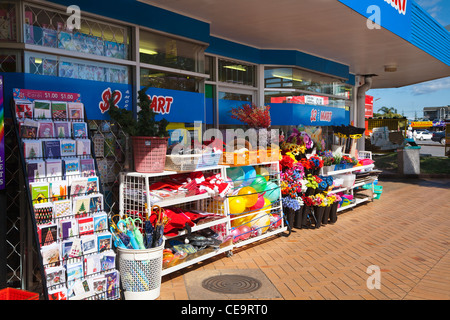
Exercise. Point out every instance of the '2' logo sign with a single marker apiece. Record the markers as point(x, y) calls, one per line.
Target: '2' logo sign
point(314, 115)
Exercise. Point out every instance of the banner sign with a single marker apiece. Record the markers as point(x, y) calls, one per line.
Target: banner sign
point(177, 106)
point(2, 138)
point(45, 95)
point(421, 124)
point(305, 99)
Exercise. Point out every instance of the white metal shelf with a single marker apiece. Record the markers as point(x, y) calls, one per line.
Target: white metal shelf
point(354, 204)
point(332, 173)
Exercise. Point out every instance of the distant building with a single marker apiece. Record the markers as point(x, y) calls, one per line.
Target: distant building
point(436, 113)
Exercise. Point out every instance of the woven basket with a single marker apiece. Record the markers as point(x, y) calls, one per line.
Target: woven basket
point(149, 154)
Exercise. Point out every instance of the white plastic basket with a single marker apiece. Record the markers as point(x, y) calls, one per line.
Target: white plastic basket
point(141, 272)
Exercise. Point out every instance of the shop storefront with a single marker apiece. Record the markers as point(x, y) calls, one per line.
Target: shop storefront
point(195, 74)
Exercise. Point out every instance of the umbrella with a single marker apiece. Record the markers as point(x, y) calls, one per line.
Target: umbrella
point(148, 233)
point(125, 239)
point(136, 232)
point(159, 227)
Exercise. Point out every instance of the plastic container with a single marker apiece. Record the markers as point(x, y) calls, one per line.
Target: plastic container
point(141, 272)
point(182, 163)
point(17, 294)
point(349, 180)
point(149, 154)
point(209, 159)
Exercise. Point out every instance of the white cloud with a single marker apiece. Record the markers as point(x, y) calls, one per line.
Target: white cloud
point(430, 86)
point(427, 3)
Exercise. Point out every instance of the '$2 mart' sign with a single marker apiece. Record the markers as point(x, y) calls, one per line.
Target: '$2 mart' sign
point(159, 104)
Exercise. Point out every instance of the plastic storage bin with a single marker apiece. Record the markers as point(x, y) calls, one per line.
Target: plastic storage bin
point(141, 272)
point(17, 294)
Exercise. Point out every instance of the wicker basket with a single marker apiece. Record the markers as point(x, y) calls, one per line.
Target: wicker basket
point(149, 154)
point(182, 163)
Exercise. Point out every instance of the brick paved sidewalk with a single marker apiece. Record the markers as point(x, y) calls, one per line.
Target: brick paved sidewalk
point(406, 233)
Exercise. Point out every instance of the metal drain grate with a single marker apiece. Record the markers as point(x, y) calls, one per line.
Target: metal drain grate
point(231, 284)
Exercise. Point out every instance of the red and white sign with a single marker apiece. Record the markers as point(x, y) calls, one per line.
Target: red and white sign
point(161, 104)
point(369, 107)
point(307, 99)
point(45, 95)
point(323, 115)
point(399, 5)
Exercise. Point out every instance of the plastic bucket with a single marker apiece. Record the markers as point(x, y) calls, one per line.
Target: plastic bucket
point(140, 272)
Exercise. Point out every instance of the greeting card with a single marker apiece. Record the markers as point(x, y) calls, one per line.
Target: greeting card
point(76, 110)
point(68, 147)
point(78, 186)
point(85, 225)
point(96, 203)
point(83, 147)
point(74, 271)
point(59, 110)
point(112, 284)
point(24, 109)
point(79, 130)
point(43, 212)
point(100, 222)
point(99, 285)
point(55, 276)
point(58, 190)
point(57, 294)
point(53, 168)
point(51, 255)
point(104, 241)
point(39, 192)
point(89, 244)
point(51, 148)
point(93, 263)
point(62, 129)
point(92, 185)
point(29, 129)
point(71, 166)
point(36, 170)
point(47, 233)
point(67, 229)
point(42, 110)
point(80, 205)
point(87, 167)
point(32, 149)
point(62, 208)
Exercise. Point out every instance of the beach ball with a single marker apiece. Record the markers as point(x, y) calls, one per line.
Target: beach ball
point(249, 175)
point(259, 204)
point(260, 222)
point(267, 206)
point(245, 232)
point(272, 192)
point(259, 183)
point(236, 174)
point(237, 205)
point(275, 221)
point(263, 172)
point(236, 233)
point(237, 221)
point(250, 195)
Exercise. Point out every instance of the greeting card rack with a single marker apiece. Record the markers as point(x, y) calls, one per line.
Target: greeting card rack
point(64, 197)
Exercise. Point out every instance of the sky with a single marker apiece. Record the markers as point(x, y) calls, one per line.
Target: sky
point(410, 100)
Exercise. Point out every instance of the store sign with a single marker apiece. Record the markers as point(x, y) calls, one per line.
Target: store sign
point(369, 107)
point(394, 15)
point(399, 5)
point(2, 138)
point(306, 99)
point(177, 106)
point(421, 124)
point(296, 114)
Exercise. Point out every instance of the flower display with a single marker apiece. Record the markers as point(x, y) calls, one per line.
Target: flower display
point(313, 181)
point(291, 181)
point(297, 143)
point(286, 162)
point(317, 161)
point(252, 115)
point(292, 203)
point(348, 160)
point(327, 182)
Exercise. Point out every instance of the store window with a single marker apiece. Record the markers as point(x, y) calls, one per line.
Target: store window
point(48, 65)
point(168, 80)
point(210, 67)
point(237, 73)
point(45, 27)
point(170, 52)
point(9, 61)
point(304, 87)
point(8, 18)
point(228, 100)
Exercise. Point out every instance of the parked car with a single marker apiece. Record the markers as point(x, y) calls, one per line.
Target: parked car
point(423, 135)
point(439, 137)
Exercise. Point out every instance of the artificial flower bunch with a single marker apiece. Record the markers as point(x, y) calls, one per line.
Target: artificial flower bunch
point(313, 181)
point(286, 163)
point(317, 161)
point(297, 143)
point(334, 198)
point(292, 203)
point(252, 115)
point(348, 160)
point(319, 200)
point(307, 201)
point(291, 181)
point(328, 158)
point(327, 182)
